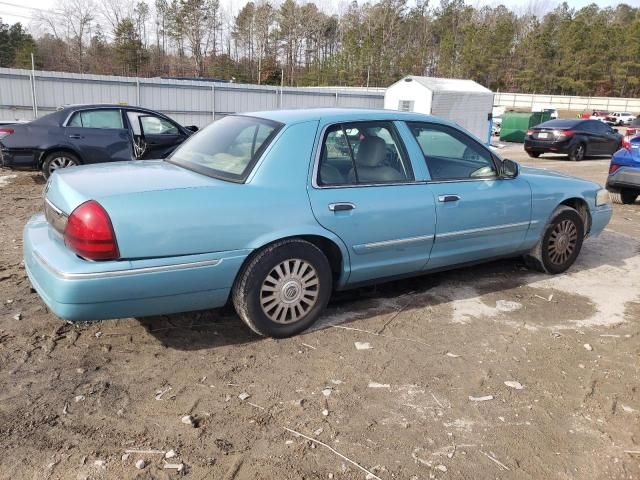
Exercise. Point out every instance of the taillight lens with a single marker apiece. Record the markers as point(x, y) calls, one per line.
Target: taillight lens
point(613, 168)
point(90, 234)
point(626, 142)
point(631, 131)
point(530, 132)
point(5, 132)
point(566, 133)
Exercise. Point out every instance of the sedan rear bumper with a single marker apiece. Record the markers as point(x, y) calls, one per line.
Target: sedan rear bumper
point(18, 158)
point(541, 146)
point(78, 290)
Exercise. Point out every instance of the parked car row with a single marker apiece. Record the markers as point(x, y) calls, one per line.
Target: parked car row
point(86, 134)
point(273, 211)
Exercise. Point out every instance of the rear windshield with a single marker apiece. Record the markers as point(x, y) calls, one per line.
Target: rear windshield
point(228, 148)
point(558, 124)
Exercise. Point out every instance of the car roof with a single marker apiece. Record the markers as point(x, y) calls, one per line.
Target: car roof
point(82, 106)
point(561, 123)
point(341, 114)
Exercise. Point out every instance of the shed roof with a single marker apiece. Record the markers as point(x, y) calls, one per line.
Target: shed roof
point(436, 84)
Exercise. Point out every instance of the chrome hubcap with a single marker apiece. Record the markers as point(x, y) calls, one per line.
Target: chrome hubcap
point(580, 152)
point(60, 162)
point(290, 291)
point(562, 242)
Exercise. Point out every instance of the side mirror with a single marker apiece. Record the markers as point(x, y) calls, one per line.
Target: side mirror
point(510, 169)
point(192, 128)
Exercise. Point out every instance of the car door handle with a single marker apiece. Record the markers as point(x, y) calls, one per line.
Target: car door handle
point(341, 207)
point(75, 136)
point(448, 198)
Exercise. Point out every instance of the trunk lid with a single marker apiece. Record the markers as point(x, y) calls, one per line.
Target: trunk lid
point(71, 187)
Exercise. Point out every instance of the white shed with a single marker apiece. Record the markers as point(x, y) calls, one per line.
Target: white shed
point(464, 102)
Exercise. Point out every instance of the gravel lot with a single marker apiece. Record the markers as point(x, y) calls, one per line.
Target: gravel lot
point(480, 373)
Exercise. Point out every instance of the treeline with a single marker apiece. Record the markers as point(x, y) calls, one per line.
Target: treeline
point(591, 51)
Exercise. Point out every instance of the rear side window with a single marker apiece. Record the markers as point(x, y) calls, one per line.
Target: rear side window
point(228, 148)
point(452, 155)
point(97, 119)
point(363, 153)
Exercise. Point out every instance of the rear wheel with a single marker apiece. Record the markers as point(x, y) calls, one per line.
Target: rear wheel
point(625, 197)
point(560, 244)
point(283, 289)
point(577, 152)
point(57, 160)
point(533, 154)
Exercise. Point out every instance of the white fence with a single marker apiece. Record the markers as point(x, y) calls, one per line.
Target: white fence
point(564, 102)
point(189, 102)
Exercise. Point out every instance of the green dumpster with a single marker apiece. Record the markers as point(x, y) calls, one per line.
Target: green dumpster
point(515, 124)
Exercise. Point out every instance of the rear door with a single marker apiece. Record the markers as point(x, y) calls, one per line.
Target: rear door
point(99, 135)
point(365, 190)
point(479, 214)
point(154, 136)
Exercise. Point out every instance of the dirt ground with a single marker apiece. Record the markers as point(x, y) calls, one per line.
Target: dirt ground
point(427, 400)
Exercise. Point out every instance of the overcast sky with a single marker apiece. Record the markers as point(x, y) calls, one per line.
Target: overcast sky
point(13, 11)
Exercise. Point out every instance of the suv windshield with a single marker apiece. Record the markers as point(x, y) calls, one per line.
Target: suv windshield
point(228, 148)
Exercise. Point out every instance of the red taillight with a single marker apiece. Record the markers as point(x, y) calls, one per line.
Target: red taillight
point(613, 168)
point(530, 132)
point(90, 234)
point(5, 132)
point(567, 133)
point(626, 142)
point(631, 131)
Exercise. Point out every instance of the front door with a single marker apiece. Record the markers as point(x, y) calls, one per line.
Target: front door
point(364, 191)
point(99, 135)
point(154, 137)
point(479, 214)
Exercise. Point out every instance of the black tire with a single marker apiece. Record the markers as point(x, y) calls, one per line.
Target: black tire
point(56, 160)
point(545, 256)
point(627, 197)
point(257, 276)
point(577, 152)
point(533, 154)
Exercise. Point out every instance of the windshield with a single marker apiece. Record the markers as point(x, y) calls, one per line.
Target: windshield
point(228, 148)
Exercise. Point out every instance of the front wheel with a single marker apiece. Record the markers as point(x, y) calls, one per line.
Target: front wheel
point(283, 289)
point(577, 152)
point(560, 244)
point(58, 160)
point(533, 154)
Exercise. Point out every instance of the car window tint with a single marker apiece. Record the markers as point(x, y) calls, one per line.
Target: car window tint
point(97, 119)
point(450, 154)
point(362, 153)
point(157, 126)
point(228, 147)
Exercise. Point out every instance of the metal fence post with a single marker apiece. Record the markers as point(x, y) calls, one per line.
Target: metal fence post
point(138, 91)
point(33, 87)
point(213, 103)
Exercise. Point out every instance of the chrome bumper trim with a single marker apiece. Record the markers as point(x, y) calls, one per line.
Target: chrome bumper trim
point(126, 272)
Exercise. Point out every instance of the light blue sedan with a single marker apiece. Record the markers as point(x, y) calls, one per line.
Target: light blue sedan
point(275, 210)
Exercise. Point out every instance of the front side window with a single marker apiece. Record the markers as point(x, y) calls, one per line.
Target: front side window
point(452, 155)
point(110, 119)
point(152, 125)
point(362, 153)
point(227, 148)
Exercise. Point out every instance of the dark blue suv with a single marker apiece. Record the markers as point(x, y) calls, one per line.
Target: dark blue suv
point(624, 172)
